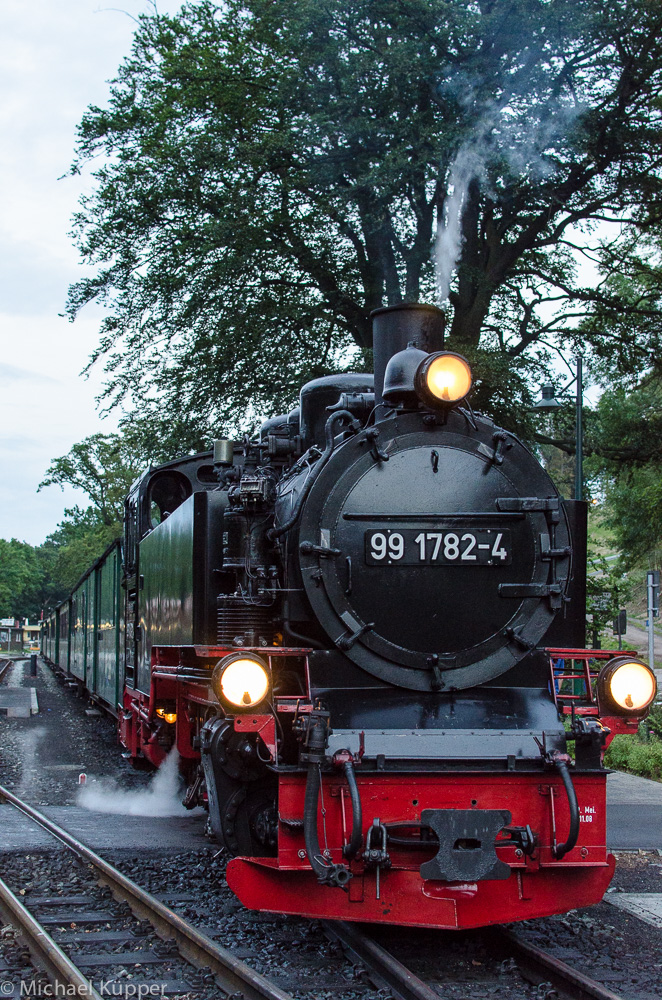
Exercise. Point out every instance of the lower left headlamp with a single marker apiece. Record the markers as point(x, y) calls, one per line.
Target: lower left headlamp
point(241, 680)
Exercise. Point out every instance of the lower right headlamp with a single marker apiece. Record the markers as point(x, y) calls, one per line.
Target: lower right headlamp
point(626, 686)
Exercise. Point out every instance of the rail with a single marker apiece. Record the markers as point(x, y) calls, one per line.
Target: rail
point(233, 975)
point(560, 974)
point(386, 970)
point(534, 963)
point(45, 952)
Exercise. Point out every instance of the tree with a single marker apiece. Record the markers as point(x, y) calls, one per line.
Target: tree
point(626, 462)
point(101, 468)
point(104, 466)
point(273, 172)
point(71, 549)
point(21, 578)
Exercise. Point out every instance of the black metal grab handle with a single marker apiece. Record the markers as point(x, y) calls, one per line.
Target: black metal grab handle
point(562, 849)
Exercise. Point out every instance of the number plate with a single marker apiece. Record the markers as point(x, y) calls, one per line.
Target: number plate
point(413, 547)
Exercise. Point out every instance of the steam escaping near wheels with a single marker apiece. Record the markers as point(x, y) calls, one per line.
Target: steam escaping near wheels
point(162, 797)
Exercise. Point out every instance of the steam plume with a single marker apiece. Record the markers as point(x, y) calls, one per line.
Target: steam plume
point(161, 798)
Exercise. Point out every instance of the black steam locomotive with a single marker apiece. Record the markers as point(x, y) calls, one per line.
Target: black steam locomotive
point(362, 632)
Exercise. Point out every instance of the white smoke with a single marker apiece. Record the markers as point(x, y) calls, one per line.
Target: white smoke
point(161, 798)
point(30, 766)
point(465, 167)
point(522, 141)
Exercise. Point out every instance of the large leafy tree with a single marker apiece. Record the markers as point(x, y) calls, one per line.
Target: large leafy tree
point(103, 466)
point(270, 173)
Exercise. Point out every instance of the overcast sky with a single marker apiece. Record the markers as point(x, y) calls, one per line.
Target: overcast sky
point(57, 56)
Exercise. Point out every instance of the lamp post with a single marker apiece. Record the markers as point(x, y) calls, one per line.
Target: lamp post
point(549, 404)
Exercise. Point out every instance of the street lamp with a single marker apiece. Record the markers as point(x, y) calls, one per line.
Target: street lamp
point(549, 404)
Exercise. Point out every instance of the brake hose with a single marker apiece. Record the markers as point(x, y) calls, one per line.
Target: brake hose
point(562, 849)
point(350, 850)
point(327, 872)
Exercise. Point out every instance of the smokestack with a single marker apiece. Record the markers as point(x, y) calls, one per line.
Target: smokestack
point(393, 327)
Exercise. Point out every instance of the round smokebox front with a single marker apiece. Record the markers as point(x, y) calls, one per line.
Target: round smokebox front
point(430, 574)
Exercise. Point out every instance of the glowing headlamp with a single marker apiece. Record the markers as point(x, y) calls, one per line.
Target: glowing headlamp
point(443, 379)
point(241, 680)
point(626, 686)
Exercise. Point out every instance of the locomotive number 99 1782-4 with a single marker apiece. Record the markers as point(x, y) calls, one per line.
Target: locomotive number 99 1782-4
point(456, 547)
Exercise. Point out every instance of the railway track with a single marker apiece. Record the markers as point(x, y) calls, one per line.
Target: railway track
point(69, 959)
point(533, 964)
point(92, 937)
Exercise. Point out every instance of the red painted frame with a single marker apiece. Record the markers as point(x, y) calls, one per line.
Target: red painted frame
point(538, 886)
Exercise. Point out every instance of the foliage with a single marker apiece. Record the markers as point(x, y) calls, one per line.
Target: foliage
point(627, 455)
point(21, 578)
point(635, 499)
point(654, 721)
point(270, 173)
point(104, 467)
point(626, 313)
point(642, 757)
point(100, 466)
point(607, 590)
point(72, 548)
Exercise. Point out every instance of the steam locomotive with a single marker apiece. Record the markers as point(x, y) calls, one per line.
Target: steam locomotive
point(363, 631)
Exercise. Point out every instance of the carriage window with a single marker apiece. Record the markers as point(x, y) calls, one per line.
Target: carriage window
point(207, 474)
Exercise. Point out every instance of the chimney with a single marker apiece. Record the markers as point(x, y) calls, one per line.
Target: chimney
point(394, 327)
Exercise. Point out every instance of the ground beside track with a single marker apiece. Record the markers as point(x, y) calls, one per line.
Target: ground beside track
point(605, 943)
point(41, 757)
point(634, 812)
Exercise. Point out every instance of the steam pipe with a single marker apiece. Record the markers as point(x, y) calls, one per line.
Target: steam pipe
point(562, 849)
point(303, 640)
point(350, 850)
point(342, 415)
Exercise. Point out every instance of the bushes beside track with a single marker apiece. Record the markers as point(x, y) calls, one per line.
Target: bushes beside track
point(641, 754)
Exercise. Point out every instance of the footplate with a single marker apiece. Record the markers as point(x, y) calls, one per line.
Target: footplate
point(466, 844)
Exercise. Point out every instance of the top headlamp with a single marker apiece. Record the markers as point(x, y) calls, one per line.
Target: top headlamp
point(442, 379)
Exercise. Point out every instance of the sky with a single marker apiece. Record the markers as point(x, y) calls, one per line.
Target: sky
point(57, 58)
